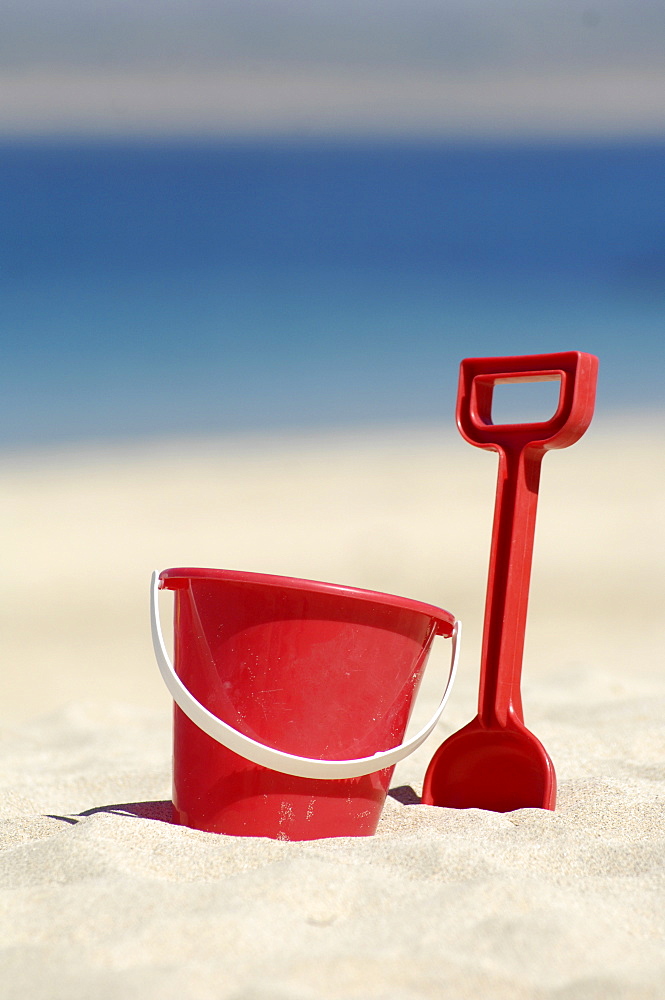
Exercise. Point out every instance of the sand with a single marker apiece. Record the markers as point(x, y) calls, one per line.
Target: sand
point(102, 897)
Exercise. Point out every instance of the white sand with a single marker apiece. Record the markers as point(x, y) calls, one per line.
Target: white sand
point(101, 898)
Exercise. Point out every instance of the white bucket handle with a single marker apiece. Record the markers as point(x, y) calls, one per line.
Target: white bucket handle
point(276, 760)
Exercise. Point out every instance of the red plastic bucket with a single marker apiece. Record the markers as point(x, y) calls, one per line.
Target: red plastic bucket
point(292, 699)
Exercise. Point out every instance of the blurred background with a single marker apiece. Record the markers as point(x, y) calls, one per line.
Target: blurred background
point(240, 214)
point(276, 226)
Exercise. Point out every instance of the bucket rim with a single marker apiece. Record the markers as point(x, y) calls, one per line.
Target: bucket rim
point(177, 577)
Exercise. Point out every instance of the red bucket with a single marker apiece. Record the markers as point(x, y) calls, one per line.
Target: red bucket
point(292, 700)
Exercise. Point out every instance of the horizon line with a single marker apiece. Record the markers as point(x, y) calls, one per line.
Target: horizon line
point(277, 103)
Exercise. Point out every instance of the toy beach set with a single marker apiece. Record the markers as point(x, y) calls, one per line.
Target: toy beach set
point(292, 697)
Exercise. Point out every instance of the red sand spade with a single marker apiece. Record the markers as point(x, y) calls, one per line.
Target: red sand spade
point(495, 762)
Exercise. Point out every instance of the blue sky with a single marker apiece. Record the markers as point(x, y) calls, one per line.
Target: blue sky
point(91, 347)
point(462, 67)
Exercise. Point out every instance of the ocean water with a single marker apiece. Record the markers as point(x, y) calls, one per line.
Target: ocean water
point(209, 287)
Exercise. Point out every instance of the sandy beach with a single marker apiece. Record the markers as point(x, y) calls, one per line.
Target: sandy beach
point(102, 897)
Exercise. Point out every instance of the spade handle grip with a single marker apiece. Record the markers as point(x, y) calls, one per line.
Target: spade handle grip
point(576, 372)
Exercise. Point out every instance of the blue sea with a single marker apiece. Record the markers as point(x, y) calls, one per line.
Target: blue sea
point(212, 287)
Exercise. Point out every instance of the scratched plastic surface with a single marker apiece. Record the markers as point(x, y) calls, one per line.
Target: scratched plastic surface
point(312, 669)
